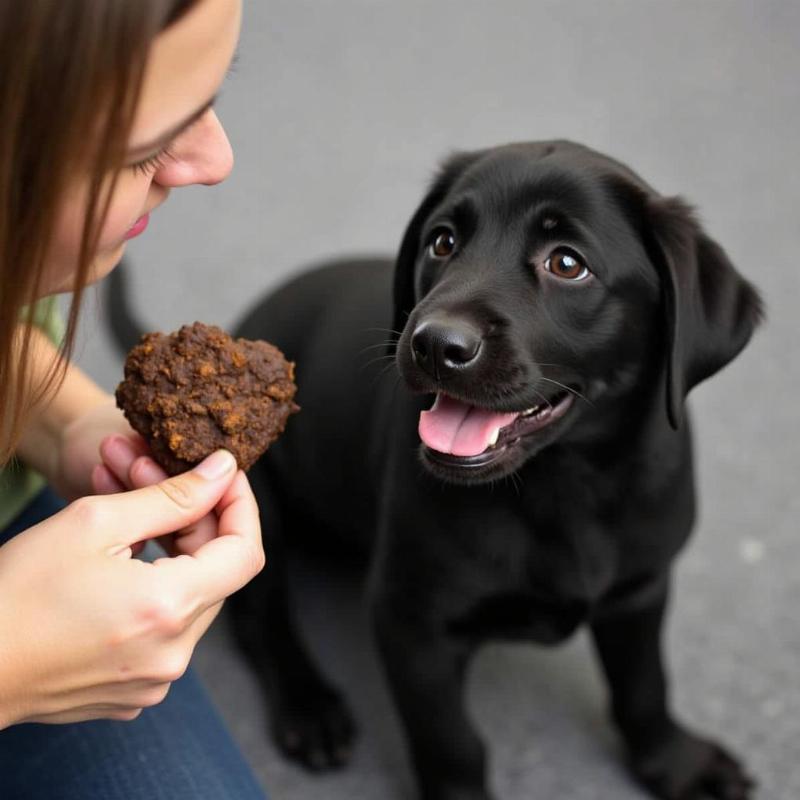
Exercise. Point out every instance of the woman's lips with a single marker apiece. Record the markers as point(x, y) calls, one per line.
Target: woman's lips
point(138, 227)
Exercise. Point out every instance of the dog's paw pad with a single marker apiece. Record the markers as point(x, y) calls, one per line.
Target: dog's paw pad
point(689, 768)
point(319, 732)
point(723, 778)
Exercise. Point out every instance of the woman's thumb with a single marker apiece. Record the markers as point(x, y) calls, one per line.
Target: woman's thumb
point(169, 505)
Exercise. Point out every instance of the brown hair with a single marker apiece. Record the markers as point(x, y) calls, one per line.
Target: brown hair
point(71, 77)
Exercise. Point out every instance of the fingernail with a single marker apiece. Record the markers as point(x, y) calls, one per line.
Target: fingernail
point(216, 465)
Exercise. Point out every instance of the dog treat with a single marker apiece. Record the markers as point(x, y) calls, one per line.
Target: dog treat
point(194, 391)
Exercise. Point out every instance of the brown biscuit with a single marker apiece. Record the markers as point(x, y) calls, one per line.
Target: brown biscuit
point(192, 392)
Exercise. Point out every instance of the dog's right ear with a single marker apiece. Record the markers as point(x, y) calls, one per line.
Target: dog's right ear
point(403, 293)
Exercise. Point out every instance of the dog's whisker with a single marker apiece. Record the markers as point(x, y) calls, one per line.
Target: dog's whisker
point(384, 370)
point(397, 380)
point(549, 404)
point(374, 347)
point(375, 360)
point(568, 389)
point(515, 481)
point(384, 330)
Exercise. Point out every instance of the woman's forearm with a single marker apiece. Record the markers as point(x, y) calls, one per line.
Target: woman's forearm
point(39, 446)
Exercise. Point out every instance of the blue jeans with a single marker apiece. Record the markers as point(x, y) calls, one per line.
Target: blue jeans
point(178, 750)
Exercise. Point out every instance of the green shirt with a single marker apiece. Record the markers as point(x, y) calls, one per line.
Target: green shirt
point(20, 484)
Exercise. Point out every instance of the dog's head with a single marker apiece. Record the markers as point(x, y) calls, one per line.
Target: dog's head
point(539, 288)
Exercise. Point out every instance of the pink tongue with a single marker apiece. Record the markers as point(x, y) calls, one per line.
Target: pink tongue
point(455, 427)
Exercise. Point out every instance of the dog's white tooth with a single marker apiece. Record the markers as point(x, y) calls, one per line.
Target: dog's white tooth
point(495, 435)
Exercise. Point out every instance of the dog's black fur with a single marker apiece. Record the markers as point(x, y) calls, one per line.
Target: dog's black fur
point(575, 523)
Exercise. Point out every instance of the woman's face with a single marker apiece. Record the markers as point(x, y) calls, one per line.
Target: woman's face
point(176, 139)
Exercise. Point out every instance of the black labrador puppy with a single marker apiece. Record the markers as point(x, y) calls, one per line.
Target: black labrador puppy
point(532, 471)
point(548, 313)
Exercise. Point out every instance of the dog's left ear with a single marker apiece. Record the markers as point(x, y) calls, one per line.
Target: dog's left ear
point(711, 310)
point(409, 247)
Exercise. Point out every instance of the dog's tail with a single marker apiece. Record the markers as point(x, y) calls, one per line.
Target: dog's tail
point(125, 327)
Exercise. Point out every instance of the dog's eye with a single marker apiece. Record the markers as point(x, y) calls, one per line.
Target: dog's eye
point(443, 243)
point(567, 265)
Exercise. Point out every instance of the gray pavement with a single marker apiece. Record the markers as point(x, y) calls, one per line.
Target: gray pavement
point(338, 113)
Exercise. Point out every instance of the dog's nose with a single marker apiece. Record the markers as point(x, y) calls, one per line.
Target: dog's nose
point(440, 346)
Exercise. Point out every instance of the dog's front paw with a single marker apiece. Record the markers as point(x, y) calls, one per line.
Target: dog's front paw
point(689, 768)
point(314, 727)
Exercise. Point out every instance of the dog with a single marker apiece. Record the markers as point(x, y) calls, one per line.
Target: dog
point(497, 417)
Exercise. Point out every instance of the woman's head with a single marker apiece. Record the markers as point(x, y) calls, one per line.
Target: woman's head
point(105, 107)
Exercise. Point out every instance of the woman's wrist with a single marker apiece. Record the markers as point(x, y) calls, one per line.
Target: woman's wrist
point(41, 443)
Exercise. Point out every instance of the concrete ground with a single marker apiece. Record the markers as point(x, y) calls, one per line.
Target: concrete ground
point(338, 113)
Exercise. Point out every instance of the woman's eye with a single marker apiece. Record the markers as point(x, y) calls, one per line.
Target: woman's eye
point(443, 243)
point(567, 266)
point(154, 163)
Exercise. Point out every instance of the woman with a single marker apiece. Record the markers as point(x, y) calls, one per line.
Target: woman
point(105, 106)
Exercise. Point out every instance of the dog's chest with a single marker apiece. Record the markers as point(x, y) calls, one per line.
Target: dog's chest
point(571, 536)
point(545, 580)
point(521, 616)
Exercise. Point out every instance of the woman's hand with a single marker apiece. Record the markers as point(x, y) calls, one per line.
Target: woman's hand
point(126, 465)
point(101, 454)
point(86, 631)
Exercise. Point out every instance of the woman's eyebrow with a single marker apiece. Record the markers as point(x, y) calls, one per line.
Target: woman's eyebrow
point(167, 136)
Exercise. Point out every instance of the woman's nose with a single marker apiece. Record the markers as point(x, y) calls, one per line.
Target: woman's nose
point(202, 154)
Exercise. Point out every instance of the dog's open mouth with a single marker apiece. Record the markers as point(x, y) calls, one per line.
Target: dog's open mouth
point(458, 434)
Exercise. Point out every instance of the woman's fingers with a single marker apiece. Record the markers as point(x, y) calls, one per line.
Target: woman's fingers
point(87, 713)
point(119, 453)
point(233, 557)
point(203, 622)
point(130, 700)
point(172, 504)
point(190, 539)
point(125, 461)
point(224, 550)
point(144, 472)
point(104, 481)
